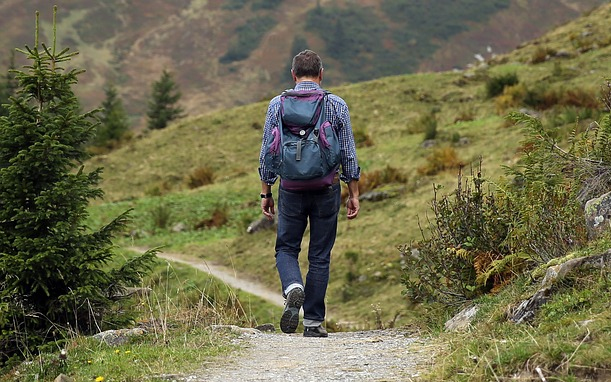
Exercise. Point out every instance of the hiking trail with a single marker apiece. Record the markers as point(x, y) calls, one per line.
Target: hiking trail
point(373, 355)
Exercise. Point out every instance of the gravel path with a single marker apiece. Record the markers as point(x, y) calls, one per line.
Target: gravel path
point(376, 355)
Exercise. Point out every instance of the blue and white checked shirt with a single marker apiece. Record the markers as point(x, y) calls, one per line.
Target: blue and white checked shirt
point(337, 114)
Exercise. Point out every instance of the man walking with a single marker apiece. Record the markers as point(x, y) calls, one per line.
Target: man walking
point(320, 204)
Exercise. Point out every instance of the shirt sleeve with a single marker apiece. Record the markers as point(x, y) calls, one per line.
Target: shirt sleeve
point(271, 120)
point(349, 161)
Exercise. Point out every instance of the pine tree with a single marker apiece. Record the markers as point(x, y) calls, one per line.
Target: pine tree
point(114, 121)
point(54, 271)
point(162, 107)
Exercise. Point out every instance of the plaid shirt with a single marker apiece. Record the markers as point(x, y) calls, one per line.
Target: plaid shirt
point(337, 113)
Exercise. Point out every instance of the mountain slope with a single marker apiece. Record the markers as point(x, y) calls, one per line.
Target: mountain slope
point(150, 173)
point(227, 53)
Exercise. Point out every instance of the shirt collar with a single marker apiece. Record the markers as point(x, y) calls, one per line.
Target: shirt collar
point(307, 85)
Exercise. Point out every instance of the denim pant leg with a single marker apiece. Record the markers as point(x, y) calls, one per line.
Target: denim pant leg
point(292, 222)
point(324, 209)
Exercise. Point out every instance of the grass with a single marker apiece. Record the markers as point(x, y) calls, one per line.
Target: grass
point(177, 316)
point(143, 359)
point(567, 340)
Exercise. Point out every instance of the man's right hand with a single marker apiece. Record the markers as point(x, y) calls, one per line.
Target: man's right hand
point(353, 207)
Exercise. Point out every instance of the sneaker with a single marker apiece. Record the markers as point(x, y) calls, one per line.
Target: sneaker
point(315, 331)
point(290, 317)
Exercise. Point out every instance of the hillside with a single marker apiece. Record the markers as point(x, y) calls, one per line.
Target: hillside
point(152, 173)
point(228, 53)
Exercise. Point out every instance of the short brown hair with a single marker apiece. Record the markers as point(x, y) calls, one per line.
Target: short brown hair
point(306, 64)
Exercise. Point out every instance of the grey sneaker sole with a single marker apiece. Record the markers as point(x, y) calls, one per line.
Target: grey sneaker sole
point(290, 317)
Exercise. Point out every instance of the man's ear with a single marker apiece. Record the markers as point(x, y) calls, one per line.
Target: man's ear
point(320, 74)
point(293, 75)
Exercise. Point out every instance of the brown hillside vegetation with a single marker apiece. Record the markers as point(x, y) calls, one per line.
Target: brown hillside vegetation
point(131, 42)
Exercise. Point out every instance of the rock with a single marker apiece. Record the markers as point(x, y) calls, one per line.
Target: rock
point(234, 329)
point(179, 227)
point(464, 141)
point(563, 54)
point(527, 309)
point(132, 291)
point(427, 144)
point(462, 321)
point(63, 378)
point(119, 336)
point(262, 224)
point(266, 328)
point(598, 215)
point(374, 196)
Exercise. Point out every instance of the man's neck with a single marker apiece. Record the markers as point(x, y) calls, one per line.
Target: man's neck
point(308, 79)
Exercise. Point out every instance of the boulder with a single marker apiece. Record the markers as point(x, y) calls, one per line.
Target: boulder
point(262, 224)
point(527, 309)
point(119, 336)
point(63, 378)
point(598, 215)
point(462, 321)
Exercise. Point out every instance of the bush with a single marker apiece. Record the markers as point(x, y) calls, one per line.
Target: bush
point(362, 139)
point(427, 124)
point(466, 237)
point(496, 85)
point(542, 97)
point(201, 176)
point(440, 159)
point(512, 97)
point(374, 179)
point(541, 54)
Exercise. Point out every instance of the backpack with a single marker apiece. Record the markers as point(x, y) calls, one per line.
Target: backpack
point(305, 150)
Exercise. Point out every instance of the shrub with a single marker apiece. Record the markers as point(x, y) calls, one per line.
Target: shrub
point(542, 97)
point(373, 179)
point(465, 114)
point(466, 238)
point(362, 139)
point(220, 217)
point(201, 176)
point(512, 97)
point(541, 54)
point(495, 85)
point(427, 124)
point(161, 215)
point(440, 159)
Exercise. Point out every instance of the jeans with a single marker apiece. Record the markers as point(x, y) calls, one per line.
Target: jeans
point(294, 210)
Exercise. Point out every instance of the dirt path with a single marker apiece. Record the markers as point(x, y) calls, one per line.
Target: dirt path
point(375, 355)
point(224, 274)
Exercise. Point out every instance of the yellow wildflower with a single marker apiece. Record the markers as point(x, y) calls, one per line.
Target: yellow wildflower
point(99, 379)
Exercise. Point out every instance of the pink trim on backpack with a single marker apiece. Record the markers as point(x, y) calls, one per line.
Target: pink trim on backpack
point(323, 136)
point(309, 185)
point(275, 146)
